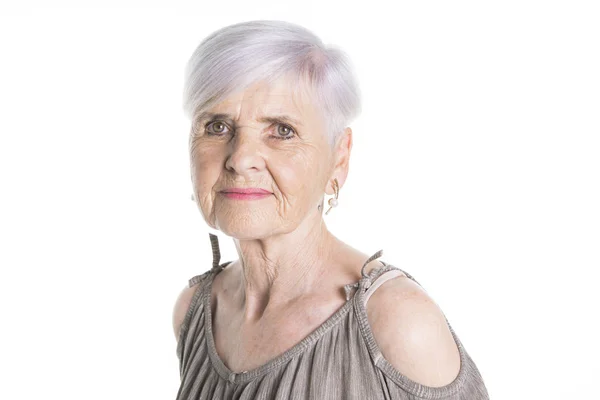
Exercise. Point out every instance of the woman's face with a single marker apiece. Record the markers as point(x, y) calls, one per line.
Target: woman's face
point(262, 138)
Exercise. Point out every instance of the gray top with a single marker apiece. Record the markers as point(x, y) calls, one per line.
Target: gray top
point(338, 360)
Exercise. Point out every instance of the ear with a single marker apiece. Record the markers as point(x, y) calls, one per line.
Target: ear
point(341, 156)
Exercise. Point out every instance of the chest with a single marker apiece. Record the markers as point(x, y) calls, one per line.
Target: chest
point(243, 346)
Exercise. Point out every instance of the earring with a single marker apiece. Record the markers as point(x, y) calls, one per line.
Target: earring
point(192, 196)
point(333, 202)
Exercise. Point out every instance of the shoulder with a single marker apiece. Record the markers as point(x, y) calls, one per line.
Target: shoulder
point(182, 304)
point(412, 333)
point(185, 297)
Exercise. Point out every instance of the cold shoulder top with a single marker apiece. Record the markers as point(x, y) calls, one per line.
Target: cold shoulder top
point(338, 360)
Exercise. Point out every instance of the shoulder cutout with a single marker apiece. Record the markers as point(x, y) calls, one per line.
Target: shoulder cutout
point(182, 304)
point(412, 333)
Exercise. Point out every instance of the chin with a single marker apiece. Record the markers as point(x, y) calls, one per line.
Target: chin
point(246, 233)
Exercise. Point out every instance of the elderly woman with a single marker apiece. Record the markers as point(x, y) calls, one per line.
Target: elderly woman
point(300, 314)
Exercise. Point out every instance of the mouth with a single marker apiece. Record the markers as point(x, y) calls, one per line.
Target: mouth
point(246, 196)
point(246, 191)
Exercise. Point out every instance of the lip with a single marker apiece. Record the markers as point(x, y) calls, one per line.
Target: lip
point(246, 191)
point(246, 196)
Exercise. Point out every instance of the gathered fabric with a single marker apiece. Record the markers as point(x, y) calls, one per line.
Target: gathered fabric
point(338, 360)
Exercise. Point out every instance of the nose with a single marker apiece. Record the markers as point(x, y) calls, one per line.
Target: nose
point(244, 152)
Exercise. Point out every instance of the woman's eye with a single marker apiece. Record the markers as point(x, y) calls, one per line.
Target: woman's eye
point(285, 131)
point(216, 127)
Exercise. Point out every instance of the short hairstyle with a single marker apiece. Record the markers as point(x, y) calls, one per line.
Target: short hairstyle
point(237, 56)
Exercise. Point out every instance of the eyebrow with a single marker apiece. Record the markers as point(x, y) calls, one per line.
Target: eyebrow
point(272, 119)
point(281, 118)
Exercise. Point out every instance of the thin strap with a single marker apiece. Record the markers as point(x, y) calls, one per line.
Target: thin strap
point(214, 242)
point(197, 278)
point(383, 278)
point(373, 257)
point(216, 252)
point(365, 281)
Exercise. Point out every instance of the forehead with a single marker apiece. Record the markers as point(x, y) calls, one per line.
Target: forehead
point(279, 97)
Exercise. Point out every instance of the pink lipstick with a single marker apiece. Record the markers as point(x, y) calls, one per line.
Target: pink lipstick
point(245, 193)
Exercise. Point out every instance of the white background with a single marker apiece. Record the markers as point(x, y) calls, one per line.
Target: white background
point(475, 168)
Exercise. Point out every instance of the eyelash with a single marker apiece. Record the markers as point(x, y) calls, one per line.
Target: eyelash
point(276, 137)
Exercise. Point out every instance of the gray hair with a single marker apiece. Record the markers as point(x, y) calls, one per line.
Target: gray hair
point(237, 56)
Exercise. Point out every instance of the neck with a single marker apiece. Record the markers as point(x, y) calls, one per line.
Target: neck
point(279, 268)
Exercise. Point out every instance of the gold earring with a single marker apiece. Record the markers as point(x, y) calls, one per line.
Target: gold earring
point(333, 202)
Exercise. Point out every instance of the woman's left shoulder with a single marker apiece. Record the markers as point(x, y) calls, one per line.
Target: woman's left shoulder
point(412, 332)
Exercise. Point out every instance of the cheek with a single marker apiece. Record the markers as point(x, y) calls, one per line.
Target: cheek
point(204, 170)
point(296, 174)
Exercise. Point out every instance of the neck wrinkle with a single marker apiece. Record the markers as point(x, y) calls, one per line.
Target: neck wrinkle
point(275, 287)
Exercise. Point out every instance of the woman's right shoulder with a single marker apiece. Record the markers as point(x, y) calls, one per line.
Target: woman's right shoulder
point(182, 305)
point(186, 296)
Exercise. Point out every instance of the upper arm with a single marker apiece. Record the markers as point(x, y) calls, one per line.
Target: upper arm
point(412, 333)
point(182, 304)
